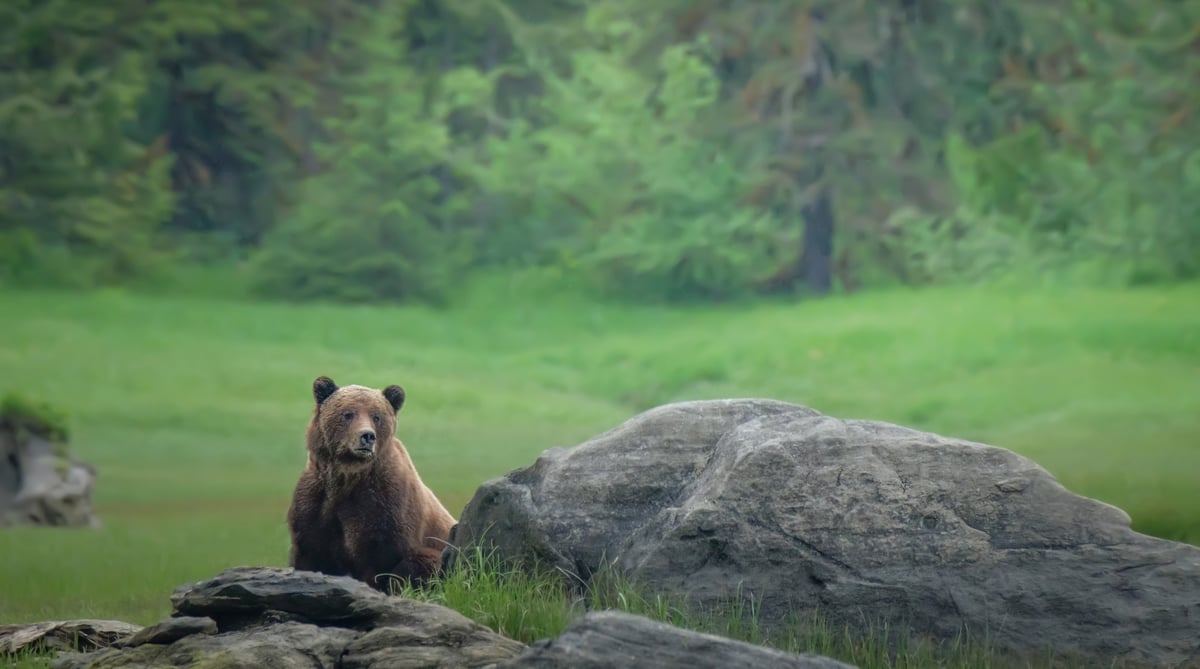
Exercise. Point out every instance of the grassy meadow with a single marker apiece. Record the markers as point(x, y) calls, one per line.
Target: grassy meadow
point(193, 408)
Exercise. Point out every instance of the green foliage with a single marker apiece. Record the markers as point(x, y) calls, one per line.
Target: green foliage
point(639, 200)
point(380, 151)
point(380, 222)
point(1091, 182)
point(19, 413)
point(521, 604)
point(232, 88)
point(80, 203)
point(354, 250)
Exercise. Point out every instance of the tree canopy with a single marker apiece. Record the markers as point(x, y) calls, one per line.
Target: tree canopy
point(384, 149)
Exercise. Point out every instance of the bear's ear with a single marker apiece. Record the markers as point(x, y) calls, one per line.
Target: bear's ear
point(395, 395)
point(323, 387)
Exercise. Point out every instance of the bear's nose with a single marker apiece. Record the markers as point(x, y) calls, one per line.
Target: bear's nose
point(366, 439)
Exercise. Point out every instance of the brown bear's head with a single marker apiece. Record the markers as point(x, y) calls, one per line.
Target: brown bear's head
point(352, 421)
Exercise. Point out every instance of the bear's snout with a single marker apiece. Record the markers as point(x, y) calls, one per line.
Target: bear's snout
point(366, 440)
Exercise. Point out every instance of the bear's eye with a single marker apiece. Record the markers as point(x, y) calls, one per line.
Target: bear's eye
point(348, 416)
point(376, 417)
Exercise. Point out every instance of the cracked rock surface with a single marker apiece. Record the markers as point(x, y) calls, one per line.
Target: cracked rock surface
point(612, 639)
point(281, 618)
point(857, 519)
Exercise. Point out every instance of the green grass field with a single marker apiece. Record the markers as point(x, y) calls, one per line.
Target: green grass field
point(194, 409)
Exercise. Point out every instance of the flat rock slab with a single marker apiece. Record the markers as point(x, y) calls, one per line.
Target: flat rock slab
point(612, 640)
point(857, 520)
point(170, 631)
point(249, 591)
point(63, 635)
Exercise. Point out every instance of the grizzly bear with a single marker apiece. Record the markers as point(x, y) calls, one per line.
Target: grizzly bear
point(359, 508)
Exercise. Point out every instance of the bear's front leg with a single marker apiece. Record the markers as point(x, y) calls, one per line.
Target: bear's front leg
point(415, 569)
point(299, 560)
point(383, 565)
point(302, 557)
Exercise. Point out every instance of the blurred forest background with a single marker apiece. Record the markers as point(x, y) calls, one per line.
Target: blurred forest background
point(669, 150)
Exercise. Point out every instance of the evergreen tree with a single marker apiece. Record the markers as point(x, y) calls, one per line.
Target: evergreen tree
point(379, 222)
point(79, 201)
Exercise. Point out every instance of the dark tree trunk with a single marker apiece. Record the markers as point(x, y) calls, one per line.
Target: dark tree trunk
point(814, 265)
point(816, 260)
point(813, 268)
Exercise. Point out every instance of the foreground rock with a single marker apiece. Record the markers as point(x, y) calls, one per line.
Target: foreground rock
point(610, 639)
point(63, 635)
point(860, 520)
point(40, 482)
point(169, 631)
point(281, 618)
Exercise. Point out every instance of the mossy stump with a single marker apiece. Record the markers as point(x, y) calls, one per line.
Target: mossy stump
point(41, 483)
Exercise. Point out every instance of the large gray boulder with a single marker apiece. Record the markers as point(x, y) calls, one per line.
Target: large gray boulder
point(613, 640)
point(859, 520)
point(281, 618)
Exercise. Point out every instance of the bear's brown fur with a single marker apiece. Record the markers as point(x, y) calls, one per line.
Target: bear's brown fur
point(359, 508)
